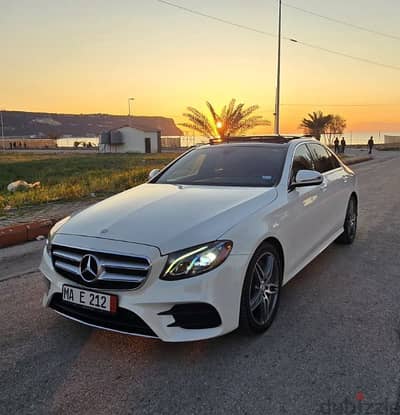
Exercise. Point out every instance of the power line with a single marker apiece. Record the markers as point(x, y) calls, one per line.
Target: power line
point(346, 55)
point(342, 22)
point(217, 19)
point(341, 105)
point(262, 32)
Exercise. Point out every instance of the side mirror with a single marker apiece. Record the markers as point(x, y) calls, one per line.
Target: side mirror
point(153, 173)
point(307, 178)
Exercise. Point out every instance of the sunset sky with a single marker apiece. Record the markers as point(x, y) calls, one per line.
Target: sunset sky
point(82, 56)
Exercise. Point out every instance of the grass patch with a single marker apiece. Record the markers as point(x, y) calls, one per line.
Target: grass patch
point(66, 176)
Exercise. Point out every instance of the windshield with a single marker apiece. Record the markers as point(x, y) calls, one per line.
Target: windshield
point(252, 166)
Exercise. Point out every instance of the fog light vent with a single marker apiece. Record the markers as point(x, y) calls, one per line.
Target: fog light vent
point(194, 316)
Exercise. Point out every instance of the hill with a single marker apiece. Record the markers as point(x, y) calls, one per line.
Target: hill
point(40, 124)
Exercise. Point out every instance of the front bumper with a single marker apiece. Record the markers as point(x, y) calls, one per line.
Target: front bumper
point(156, 301)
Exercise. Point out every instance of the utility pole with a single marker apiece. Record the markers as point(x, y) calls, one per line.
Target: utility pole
point(2, 130)
point(278, 72)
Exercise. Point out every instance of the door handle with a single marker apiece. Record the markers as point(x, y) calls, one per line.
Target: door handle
point(324, 186)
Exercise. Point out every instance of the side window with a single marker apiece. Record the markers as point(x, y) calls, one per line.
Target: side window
point(301, 160)
point(334, 161)
point(322, 159)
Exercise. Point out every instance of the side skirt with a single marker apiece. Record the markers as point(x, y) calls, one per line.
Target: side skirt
point(314, 254)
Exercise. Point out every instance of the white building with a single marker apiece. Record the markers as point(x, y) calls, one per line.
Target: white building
point(391, 139)
point(127, 139)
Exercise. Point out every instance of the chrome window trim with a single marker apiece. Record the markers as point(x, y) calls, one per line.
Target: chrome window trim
point(329, 151)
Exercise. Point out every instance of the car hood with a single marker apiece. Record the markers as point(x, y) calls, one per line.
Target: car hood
point(169, 217)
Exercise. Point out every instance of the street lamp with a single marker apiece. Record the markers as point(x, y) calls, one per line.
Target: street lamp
point(129, 109)
point(278, 72)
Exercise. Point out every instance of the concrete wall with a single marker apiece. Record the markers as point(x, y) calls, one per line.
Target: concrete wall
point(391, 139)
point(21, 143)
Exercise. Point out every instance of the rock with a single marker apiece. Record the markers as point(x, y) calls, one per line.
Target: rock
point(21, 185)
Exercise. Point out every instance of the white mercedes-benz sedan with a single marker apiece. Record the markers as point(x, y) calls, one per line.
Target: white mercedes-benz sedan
point(205, 246)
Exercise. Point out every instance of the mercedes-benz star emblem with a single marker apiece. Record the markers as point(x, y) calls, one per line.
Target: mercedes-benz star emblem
point(89, 268)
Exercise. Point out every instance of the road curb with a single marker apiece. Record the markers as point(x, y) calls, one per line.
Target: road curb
point(356, 160)
point(24, 232)
point(24, 274)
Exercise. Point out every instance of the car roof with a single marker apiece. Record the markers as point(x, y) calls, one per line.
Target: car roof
point(275, 140)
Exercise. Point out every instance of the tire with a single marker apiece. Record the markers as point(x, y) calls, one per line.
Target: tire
point(350, 223)
point(261, 290)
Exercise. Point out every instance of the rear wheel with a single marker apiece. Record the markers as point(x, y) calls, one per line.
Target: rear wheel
point(350, 223)
point(261, 290)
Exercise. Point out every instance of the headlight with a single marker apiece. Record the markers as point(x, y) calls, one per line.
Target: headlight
point(53, 231)
point(196, 260)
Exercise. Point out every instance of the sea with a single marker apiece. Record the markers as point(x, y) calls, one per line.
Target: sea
point(352, 138)
point(361, 137)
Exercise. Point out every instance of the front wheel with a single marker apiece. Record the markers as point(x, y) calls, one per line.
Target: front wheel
point(350, 223)
point(261, 290)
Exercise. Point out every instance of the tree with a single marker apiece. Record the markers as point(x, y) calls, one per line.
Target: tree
point(232, 120)
point(316, 124)
point(336, 126)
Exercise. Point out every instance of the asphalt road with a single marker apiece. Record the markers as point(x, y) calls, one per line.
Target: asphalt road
point(20, 260)
point(336, 340)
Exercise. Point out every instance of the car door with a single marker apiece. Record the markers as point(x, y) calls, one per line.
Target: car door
point(331, 207)
point(340, 183)
point(302, 230)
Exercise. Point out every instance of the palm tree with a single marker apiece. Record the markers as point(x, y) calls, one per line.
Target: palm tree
point(232, 120)
point(316, 124)
point(336, 126)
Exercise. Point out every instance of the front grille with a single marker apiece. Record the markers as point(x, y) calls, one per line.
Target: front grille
point(123, 320)
point(117, 271)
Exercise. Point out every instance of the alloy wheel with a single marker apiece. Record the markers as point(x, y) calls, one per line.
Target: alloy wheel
point(264, 288)
point(352, 219)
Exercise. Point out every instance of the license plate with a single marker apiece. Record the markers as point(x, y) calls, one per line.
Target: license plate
point(90, 299)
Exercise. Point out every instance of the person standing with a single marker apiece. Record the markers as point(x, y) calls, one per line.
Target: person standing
point(343, 144)
point(370, 144)
point(336, 143)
